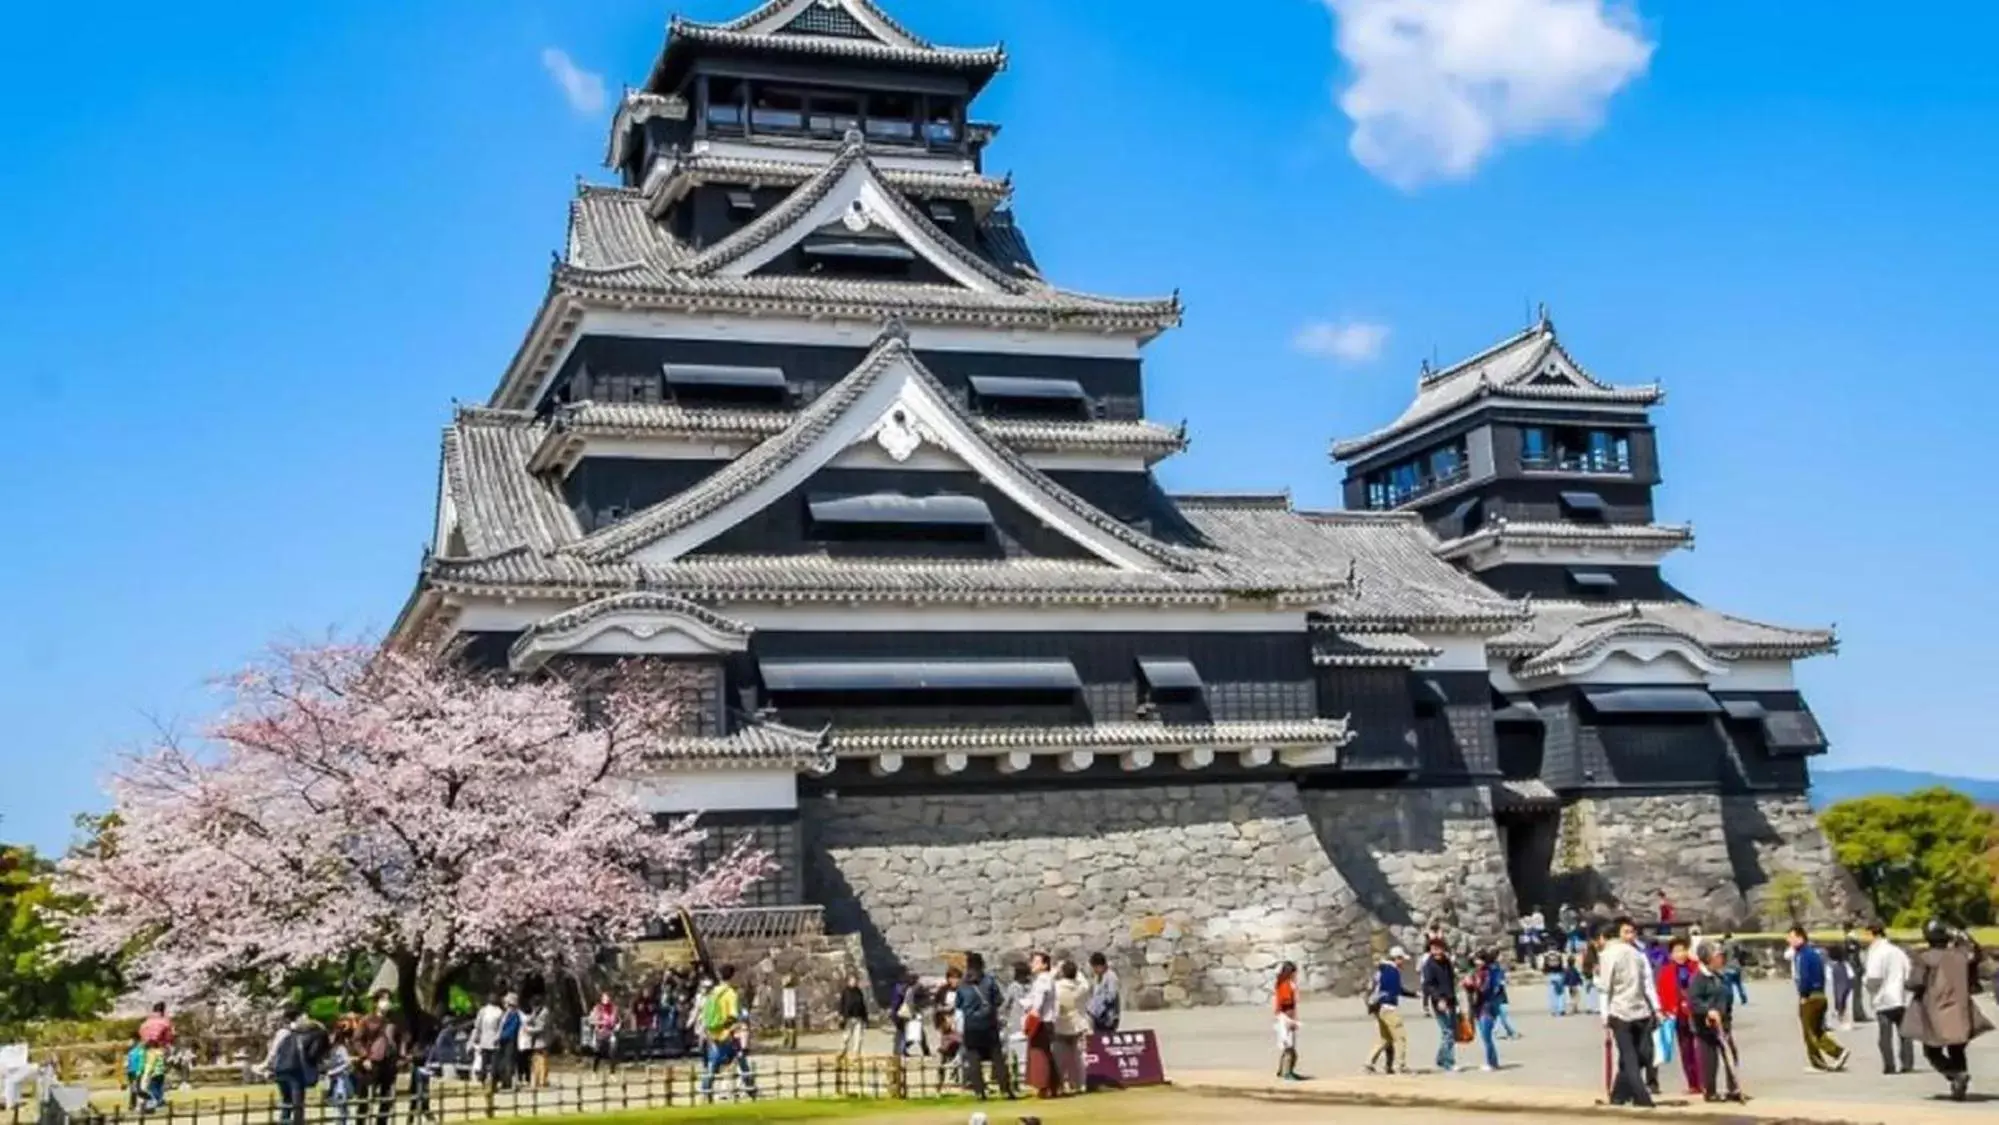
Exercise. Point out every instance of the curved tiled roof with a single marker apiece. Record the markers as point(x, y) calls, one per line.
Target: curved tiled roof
point(756, 745)
point(704, 167)
point(853, 158)
point(1508, 369)
point(1531, 533)
point(499, 505)
point(616, 251)
point(744, 474)
point(1560, 631)
point(1401, 583)
point(1334, 649)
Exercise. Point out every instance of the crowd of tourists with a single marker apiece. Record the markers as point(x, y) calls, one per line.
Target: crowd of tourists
point(1671, 997)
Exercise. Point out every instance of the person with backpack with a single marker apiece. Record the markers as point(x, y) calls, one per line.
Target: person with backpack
point(378, 1055)
point(725, 1036)
point(296, 1052)
point(1106, 999)
point(979, 1004)
point(1440, 999)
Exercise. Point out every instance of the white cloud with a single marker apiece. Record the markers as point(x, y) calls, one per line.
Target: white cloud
point(1439, 85)
point(1348, 341)
point(583, 89)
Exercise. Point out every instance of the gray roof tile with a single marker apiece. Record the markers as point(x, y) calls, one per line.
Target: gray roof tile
point(1513, 368)
point(1560, 631)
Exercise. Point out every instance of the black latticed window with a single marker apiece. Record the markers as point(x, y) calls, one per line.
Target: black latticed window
point(775, 832)
point(826, 19)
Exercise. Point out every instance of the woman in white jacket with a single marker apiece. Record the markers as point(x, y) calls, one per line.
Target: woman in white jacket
point(1884, 975)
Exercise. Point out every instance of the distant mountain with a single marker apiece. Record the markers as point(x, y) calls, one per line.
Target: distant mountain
point(1830, 786)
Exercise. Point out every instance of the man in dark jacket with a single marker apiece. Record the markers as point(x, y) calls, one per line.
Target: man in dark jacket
point(1808, 973)
point(1440, 999)
point(979, 1009)
point(1711, 1009)
point(1942, 1015)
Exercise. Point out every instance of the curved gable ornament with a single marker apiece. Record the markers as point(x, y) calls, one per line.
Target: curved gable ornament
point(630, 625)
point(1643, 642)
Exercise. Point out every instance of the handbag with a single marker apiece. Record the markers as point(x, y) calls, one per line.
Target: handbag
point(1031, 1024)
point(1464, 1033)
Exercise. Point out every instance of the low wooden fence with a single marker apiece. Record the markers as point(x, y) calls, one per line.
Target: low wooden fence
point(653, 1087)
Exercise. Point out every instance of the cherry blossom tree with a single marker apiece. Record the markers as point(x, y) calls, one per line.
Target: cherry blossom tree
point(354, 801)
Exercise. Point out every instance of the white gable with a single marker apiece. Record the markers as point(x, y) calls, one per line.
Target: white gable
point(777, 17)
point(859, 201)
point(901, 417)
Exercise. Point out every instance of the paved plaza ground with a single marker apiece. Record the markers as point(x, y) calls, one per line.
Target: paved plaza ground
point(1556, 1060)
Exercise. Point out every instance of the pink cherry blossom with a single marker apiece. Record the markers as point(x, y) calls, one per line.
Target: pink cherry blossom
point(350, 800)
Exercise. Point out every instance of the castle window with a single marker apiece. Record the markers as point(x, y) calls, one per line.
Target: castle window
point(831, 115)
point(891, 117)
point(1598, 583)
point(1406, 480)
point(741, 200)
point(777, 111)
point(724, 113)
point(1169, 676)
point(1585, 506)
point(1015, 396)
point(942, 213)
point(1568, 449)
point(708, 383)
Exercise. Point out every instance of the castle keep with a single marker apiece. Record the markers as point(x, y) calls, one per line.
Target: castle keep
point(801, 414)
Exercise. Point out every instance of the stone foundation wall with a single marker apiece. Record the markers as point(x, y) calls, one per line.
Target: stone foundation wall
point(1714, 856)
point(819, 963)
point(1194, 892)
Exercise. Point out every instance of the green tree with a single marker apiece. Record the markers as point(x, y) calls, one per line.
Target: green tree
point(36, 982)
point(1919, 856)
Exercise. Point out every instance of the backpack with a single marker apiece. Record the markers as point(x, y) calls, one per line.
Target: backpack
point(712, 1021)
point(1551, 962)
point(975, 1001)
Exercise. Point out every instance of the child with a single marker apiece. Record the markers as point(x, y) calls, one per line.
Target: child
point(153, 1077)
point(1284, 1002)
point(135, 1074)
point(788, 1000)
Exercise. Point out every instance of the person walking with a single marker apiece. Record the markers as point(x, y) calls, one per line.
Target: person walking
point(533, 1045)
point(725, 1038)
point(1629, 1009)
point(1808, 972)
point(1440, 1000)
point(378, 1054)
point(980, 1005)
point(788, 1011)
point(853, 1018)
point(1675, 984)
point(1038, 1027)
point(1839, 982)
point(1391, 1047)
point(1884, 977)
point(1711, 1009)
point(1284, 1007)
point(603, 1026)
point(339, 1070)
point(1942, 1015)
point(1856, 958)
point(1106, 998)
point(486, 1037)
point(507, 1048)
point(1731, 967)
point(1072, 1025)
point(1553, 964)
point(293, 1062)
point(1482, 992)
point(1500, 998)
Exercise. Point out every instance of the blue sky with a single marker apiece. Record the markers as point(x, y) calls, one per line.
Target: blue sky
point(252, 252)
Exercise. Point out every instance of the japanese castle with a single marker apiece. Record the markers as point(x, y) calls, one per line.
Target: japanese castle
point(801, 414)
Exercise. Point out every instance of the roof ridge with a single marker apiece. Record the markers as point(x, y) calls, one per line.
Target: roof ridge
point(1280, 500)
point(473, 413)
point(1431, 378)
